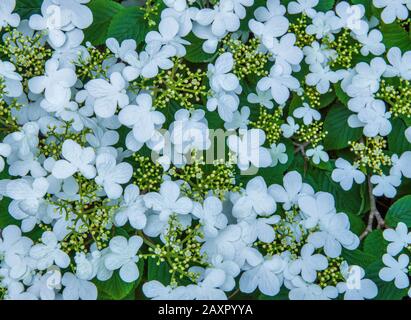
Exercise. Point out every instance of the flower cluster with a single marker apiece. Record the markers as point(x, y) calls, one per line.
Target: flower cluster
point(203, 149)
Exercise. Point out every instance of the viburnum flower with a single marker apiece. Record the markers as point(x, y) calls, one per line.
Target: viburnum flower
point(399, 64)
point(108, 95)
point(309, 263)
point(392, 9)
point(123, 256)
point(396, 270)
point(400, 165)
point(110, 174)
point(303, 6)
point(307, 113)
point(345, 174)
point(317, 154)
point(75, 288)
point(11, 79)
point(7, 17)
point(75, 159)
point(372, 43)
point(121, 51)
point(210, 215)
point(362, 289)
point(132, 209)
point(398, 238)
point(385, 185)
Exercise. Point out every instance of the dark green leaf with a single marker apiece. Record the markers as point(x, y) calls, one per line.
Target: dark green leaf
point(400, 211)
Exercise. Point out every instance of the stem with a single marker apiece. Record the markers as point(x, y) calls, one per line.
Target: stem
point(374, 213)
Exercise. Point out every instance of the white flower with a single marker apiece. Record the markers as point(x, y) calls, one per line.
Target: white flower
point(392, 9)
point(262, 98)
point(308, 263)
point(407, 134)
point(266, 275)
point(48, 252)
point(248, 149)
point(121, 51)
point(351, 17)
point(123, 256)
point(307, 113)
point(395, 269)
point(240, 119)
point(374, 118)
point(221, 18)
point(318, 54)
point(270, 30)
point(220, 74)
point(400, 64)
point(316, 207)
point(278, 154)
point(318, 154)
point(288, 129)
point(274, 8)
point(285, 50)
point(323, 24)
point(210, 215)
point(293, 189)
point(208, 288)
point(157, 291)
point(29, 194)
point(401, 165)
point(142, 118)
point(77, 159)
point(257, 198)
point(168, 201)
point(110, 175)
point(321, 77)
point(168, 34)
point(12, 80)
point(76, 288)
point(108, 95)
point(156, 57)
point(56, 83)
point(280, 82)
point(132, 209)
point(385, 185)
point(398, 238)
point(361, 288)
point(345, 173)
point(301, 290)
point(303, 6)
point(372, 43)
point(5, 151)
point(7, 17)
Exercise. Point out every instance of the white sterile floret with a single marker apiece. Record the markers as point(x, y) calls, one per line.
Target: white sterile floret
point(262, 98)
point(111, 175)
point(75, 288)
point(303, 6)
point(142, 118)
point(290, 127)
point(255, 199)
point(121, 51)
point(168, 201)
point(321, 77)
point(280, 82)
point(307, 113)
point(123, 256)
point(76, 159)
point(108, 95)
point(210, 215)
point(351, 17)
point(11, 78)
point(248, 149)
point(392, 9)
point(48, 252)
point(5, 151)
point(356, 286)
point(156, 57)
point(309, 263)
point(371, 43)
point(385, 185)
point(395, 269)
point(132, 209)
point(401, 165)
point(317, 154)
point(398, 238)
point(7, 17)
point(278, 154)
point(400, 64)
point(345, 174)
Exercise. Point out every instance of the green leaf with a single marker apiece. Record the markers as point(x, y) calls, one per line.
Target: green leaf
point(395, 36)
point(282, 295)
point(325, 5)
point(26, 8)
point(375, 244)
point(115, 288)
point(339, 132)
point(195, 52)
point(400, 211)
point(128, 23)
point(356, 224)
point(158, 272)
point(358, 257)
point(5, 218)
point(103, 12)
point(397, 143)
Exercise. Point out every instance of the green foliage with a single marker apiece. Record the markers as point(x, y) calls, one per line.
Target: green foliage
point(400, 211)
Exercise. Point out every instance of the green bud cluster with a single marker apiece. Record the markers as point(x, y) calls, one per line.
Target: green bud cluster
point(151, 11)
point(398, 97)
point(311, 96)
point(147, 174)
point(405, 24)
point(91, 67)
point(285, 237)
point(181, 251)
point(51, 144)
point(270, 123)
point(247, 59)
point(346, 49)
point(3, 293)
point(94, 213)
point(202, 179)
point(371, 154)
point(27, 53)
point(179, 84)
point(332, 275)
point(312, 133)
point(299, 29)
point(8, 123)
